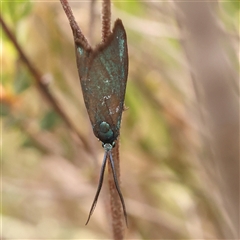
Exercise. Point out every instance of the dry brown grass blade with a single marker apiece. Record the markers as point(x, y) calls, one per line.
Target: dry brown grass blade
point(217, 101)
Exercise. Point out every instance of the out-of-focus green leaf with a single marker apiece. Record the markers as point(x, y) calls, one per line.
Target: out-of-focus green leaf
point(231, 14)
point(16, 10)
point(134, 8)
point(233, 6)
point(4, 110)
point(49, 121)
point(21, 82)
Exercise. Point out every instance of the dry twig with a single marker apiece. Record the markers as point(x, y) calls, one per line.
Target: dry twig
point(40, 84)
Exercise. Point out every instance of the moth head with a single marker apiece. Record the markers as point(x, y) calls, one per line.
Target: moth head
point(108, 146)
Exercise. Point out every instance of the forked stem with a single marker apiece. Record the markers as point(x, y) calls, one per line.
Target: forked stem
point(77, 33)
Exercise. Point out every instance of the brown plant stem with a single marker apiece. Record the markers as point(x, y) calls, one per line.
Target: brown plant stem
point(106, 19)
point(40, 84)
point(77, 33)
point(92, 20)
point(115, 203)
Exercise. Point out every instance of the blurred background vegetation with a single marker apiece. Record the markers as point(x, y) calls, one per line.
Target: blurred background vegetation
point(49, 178)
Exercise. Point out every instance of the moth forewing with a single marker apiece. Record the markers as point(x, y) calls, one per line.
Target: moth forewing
point(104, 81)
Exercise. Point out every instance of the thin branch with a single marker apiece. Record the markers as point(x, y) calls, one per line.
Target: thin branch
point(92, 20)
point(106, 19)
point(40, 84)
point(77, 33)
point(116, 207)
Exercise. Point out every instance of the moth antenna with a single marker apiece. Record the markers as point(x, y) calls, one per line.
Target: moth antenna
point(100, 182)
point(117, 187)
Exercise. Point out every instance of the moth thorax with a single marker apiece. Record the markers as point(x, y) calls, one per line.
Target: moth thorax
point(105, 132)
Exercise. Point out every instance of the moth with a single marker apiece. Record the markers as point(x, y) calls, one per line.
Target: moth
point(103, 75)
